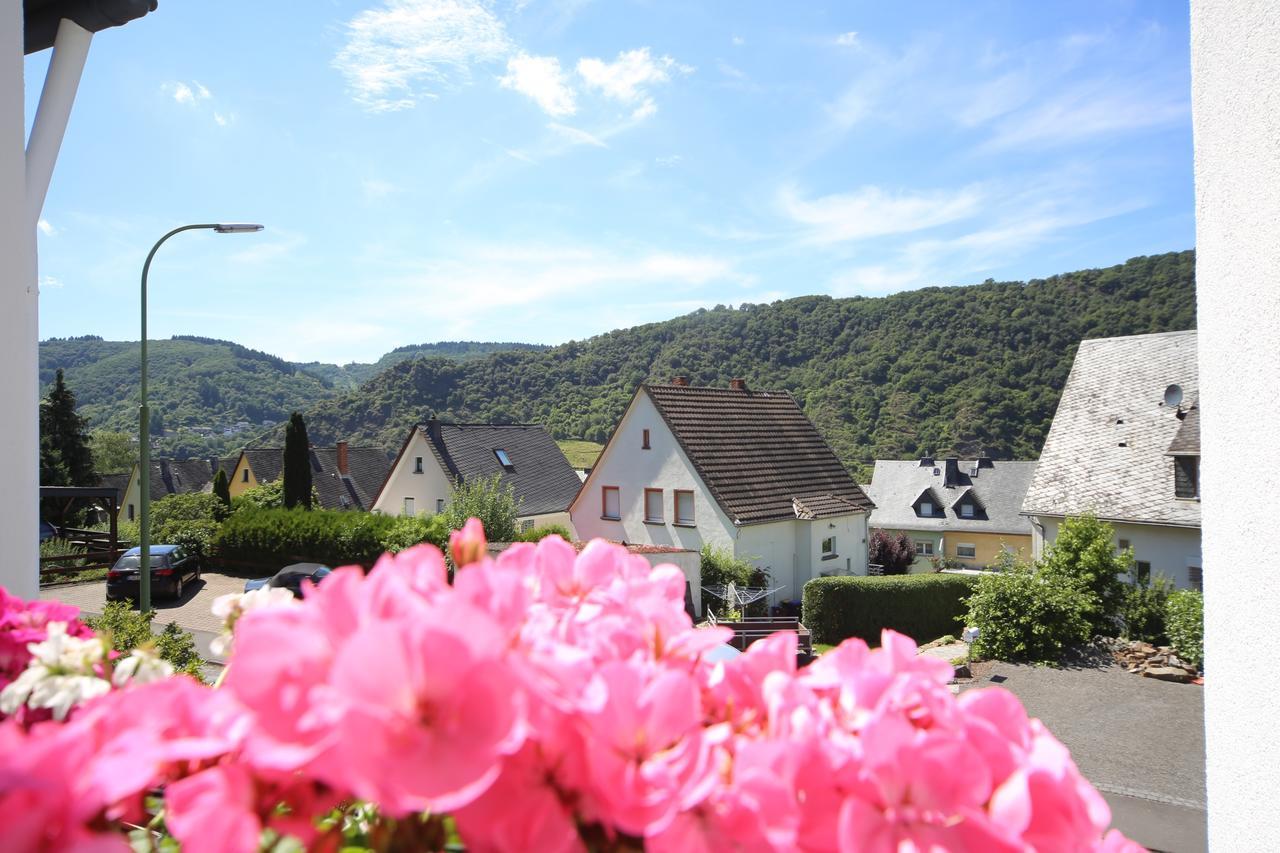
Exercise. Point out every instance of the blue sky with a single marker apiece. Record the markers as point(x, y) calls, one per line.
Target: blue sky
point(547, 170)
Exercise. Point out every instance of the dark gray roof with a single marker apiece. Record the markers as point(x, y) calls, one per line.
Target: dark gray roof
point(119, 482)
point(1186, 442)
point(999, 490)
point(540, 476)
point(180, 477)
point(758, 453)
point(1106, 450)
point(367, 468)
point(41, 17)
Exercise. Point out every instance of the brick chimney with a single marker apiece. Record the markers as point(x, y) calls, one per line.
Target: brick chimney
point(342, 459)
point(738, 384)
point(682, 381)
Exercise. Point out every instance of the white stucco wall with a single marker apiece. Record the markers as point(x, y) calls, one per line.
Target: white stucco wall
point(1235, 60)
point(425, 488)
point(632, 469)
point(1169, 550)
point(779, 548)
point(19, 378)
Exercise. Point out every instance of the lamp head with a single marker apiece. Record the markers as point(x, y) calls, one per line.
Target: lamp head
point(237, 228)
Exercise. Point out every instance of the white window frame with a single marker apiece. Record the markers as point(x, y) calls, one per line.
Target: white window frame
point(408, 508)
point(685, 521)
point(439, 505)
point(973, 548)
point(926, 509)
point(604, 503)
point(417, 464)
point(526, 525)
point(924, 548)
point(829, 548)
point(966, 510)
point(653, 499)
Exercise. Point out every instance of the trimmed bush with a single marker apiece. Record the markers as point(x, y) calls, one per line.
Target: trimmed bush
point(537, 534)
point(1184, 623)
point(488, 500)
point(1026, 615)
point(1143, 610)
point(408, 531)
point(920, 606)
point(189, 520)
point(277, 537)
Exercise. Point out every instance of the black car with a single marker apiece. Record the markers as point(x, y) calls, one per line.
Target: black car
point(291, 578)
point(172, 566)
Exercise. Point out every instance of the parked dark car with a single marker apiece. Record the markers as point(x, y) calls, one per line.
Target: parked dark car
point(172, 567)
point(47, 531)
point(291, 578)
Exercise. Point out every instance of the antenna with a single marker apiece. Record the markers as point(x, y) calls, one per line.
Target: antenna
point(1173, 395)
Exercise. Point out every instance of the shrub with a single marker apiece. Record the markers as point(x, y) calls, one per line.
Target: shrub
point(1143, 610)
point(276, 537)
point(1084, 554)
point(128, 629)
point(189, 520)
point(267, 496)
point(537, 534)
point(894, 553)
point(922, 606)
point(491, 501)
point(1027, 615)
point(68, 551)
point(1184, 622)
point(408, 531)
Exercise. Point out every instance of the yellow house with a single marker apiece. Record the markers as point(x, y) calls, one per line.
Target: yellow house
point(966, 512)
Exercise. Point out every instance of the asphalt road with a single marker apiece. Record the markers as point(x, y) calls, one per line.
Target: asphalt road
point(1138, 740)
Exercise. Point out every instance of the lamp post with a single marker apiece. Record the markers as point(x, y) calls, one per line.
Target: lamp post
point(144, 420)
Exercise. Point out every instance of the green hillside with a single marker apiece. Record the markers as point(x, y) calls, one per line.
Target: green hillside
point(942, 370)
point(354, 374)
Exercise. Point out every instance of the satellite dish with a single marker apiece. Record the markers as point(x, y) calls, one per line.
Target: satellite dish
point(1173, 395)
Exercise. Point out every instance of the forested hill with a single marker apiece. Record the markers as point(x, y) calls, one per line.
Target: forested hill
point(941, 370)
point(354, 374)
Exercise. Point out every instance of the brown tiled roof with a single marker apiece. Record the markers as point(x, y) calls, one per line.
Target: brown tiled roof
point(758, 453)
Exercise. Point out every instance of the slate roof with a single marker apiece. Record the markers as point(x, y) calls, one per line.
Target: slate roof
point(759, 455)
point(180, 477)
point(119, 482)
point(541, 477)
point(897, 485)
point(1186, 441)
point(367, 468)
point(1106, 450)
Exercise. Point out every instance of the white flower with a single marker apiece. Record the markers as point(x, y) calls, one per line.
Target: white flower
point(142, 666)
point(61, 674)
point(230, 607)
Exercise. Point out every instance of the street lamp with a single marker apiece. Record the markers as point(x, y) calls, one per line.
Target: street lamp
point(144, 419)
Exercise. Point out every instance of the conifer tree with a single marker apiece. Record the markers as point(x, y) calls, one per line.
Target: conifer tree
point(221, 488)
point(297, 464)
point(65, 457)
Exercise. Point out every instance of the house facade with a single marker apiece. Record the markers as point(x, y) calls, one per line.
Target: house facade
point(343, 477)
point(742, 471)
point(967, 512)
point(1125, 446)
point(436, 455)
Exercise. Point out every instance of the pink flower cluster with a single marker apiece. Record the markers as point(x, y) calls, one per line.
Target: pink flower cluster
point(547, 701)
point(25, 622)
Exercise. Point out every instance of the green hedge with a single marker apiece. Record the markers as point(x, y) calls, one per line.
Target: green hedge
point(276, 537)
point(923, 607)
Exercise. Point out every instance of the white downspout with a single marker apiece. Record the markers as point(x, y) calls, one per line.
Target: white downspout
point(70, 50)
point(24, 181)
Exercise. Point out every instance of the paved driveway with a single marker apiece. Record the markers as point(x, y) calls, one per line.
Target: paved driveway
point(1138, 740)
point(190, 612)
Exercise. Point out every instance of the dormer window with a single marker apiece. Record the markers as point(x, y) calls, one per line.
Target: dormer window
point(966, 510)
point(926, 508)
point(1186, 477)
point(504, 459)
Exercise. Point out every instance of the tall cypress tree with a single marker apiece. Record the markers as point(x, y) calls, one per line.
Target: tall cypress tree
point(297, 464)
point(221, 488)
point(65, 457)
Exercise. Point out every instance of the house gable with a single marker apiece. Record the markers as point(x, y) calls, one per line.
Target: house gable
point(426, 485)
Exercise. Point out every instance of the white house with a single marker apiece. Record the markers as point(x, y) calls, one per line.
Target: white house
point(743, 471)
point(525, 457)
point(1125, 445)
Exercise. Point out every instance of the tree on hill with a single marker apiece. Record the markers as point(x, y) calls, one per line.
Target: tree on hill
point(221, 488)
point(297, 464)
point(64, 441)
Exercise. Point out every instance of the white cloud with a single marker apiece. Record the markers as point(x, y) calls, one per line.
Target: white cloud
point(668, 161)
point(50, 282)
point(738, 41)
point(576, 136)
point(872, 212)
point(376, 188)
point(541, 78)
point(629, 78)
point(396, 51)
point(849, 39)
point(186, 94)
point(46, 228)
point(201, 92)
point(730, 71)
point(1101, 109)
